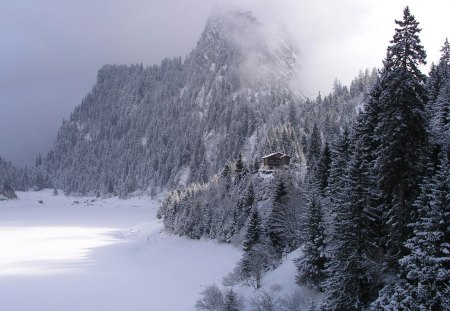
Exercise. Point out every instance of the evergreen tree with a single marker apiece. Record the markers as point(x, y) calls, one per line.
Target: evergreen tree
point(401, 129)
point(322, 171)
point(38, 161)
point(225, 172)
point(249, 200)
point(241, 169)
point(375, 201)
point(278, 216)
point(231, 301)
point(440, 120)
point(439, 74)
point(438, 108)
point(314, 147)
point(426, 270)
point(311, 266)
point(8, 191)
point(280, 195)
point(340, 158)
point(39, 182)
point(225, 176)
point(352, 280)
point(257, 252)
point(253, 233)
point(239, 164)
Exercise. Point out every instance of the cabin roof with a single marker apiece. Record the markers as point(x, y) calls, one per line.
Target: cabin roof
point(276, 154)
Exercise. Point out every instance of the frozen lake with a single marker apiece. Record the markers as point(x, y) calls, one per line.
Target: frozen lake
point(91, 254)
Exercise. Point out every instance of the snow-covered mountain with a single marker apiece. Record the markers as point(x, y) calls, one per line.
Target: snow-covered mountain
point(144, 128)
point(150, 128)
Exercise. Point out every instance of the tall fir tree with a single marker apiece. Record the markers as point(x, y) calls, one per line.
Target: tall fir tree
point(439, 73)
point(422, 283)
point(340, 158)
point(231, 301)
point(426, 269)
point(401, 130)
point(322, 171)
point(440, 120)
point(375, 233)
point(314, 147)
point(353, 280)
point(254, 230)
point(277, 216)
point(311, 266)
point(241, 169)
point(438, 108)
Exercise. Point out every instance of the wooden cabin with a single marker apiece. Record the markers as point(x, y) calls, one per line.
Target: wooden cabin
point(275, 160)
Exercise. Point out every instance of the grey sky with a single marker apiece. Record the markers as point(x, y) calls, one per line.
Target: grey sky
point(50, 50)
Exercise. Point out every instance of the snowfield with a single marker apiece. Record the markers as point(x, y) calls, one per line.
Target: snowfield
point(84, 254)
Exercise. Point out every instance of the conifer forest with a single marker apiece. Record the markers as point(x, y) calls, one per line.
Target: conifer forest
point(362, 209)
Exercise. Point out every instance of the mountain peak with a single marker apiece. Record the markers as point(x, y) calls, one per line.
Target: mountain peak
point(224, 23)
point(263, 55)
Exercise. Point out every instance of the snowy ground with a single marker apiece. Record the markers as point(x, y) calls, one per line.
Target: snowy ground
point(85, 254)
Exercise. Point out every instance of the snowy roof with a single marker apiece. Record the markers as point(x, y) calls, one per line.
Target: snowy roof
point(272, 154)
point(277, 154)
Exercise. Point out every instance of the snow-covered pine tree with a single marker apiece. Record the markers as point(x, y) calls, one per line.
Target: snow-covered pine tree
point(252, 237)
point(248, 201)
point(426, 269)
point(278, 215)
point(369, 198)
point(314, 147)
point(17, 178)
point(376, 202)
point(254, 230)
point(231, 301)
point(440, 122)
point(422, 283)
point(438, 108)
point(441, 118)
point(322, 171)
point(352, 280)
point(439, 74)
point(340, 159)
point(311, 266)
point(241, 168)
point(401, 129)
point(281, 191)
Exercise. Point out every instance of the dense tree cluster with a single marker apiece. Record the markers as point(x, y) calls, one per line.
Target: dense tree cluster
point(387, 192)
point(23, 178)
point(375, 202)
point(262, 210)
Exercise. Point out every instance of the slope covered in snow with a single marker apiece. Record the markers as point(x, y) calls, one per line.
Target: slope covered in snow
point(281, 286)
point(70, 253)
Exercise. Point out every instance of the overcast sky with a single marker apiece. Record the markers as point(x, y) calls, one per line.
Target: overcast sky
point(50, 50)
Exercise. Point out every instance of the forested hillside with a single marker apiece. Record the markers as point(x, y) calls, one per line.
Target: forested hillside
point(13, 176)
point(145, 129)
point(373, 211)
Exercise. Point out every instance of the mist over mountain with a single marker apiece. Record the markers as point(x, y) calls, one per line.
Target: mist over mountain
point(148, 128)
point(183, 115)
